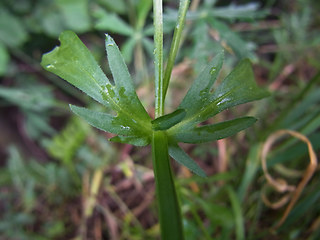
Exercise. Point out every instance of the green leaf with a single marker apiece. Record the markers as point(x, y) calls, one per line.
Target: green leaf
point(109, 123)
point(181, 157)
point(237, 88)
point(167, 121)
point(4, 59)
point(248, 11)
point(127, 49)
point(36, 98)
point(137, 141)
point(237, 213)
point(50, 20)
point(12, 31)
point(199, 92)
point(75, 14)
point(143, 8)
point(112, 22)
point(128, 99)
point(214, 132)
point(73, 62)
point(148, 45)
point(240, 47)
point(118, 6)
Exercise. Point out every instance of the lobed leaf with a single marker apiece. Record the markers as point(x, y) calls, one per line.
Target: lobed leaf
point(237, 88)
point(73, 62)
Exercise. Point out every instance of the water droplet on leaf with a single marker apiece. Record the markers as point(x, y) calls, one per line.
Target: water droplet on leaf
point(213, 70)
point(203, 92)
point(50, 66)
point(125, 127)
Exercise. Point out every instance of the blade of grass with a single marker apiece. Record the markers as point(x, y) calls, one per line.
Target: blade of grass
point(252, 166)
point(169, 209)
point(236, 207)
point(184, 4)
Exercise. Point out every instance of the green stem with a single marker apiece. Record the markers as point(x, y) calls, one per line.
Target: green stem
point(168, 205)
point(184, 4)
point(158, 57)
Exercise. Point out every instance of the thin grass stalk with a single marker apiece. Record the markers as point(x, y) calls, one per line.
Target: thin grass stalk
point(184, 4)
point(158, 58)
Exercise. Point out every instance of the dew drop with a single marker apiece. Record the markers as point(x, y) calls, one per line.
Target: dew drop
point(50, 66)
point(125, 127)
point(213, 70)
point(203, 92)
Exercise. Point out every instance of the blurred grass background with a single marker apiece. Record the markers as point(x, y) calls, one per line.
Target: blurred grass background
point(61, 179)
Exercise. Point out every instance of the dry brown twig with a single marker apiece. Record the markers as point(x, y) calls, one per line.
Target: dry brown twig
point(281, 185)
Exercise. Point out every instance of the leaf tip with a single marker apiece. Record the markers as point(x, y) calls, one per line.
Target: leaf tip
point(109, 40)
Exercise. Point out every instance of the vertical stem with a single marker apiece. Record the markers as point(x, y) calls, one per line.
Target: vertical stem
point(169, 209)
point(158, 57)
point(168, 205)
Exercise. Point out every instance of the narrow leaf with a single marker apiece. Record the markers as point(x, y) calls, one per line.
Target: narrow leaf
point(143, 8)
point(102, 121)
point(75, 14)
point(149, 46)
point(167, 121)
point(73, 62)
point(237, 88)
point(112, 23)
point(214, 132)
point(137, 141)
point(124, 85)
point(12, 30)
point(240, 47)
point(127, 49)
point(4, 59)
point(181, 157)
point(237, 213)
point(199, 92)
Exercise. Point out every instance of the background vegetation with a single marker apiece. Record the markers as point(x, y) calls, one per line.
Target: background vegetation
point(61, 179)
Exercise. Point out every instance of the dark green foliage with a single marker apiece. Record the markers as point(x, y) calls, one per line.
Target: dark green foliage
point(48, 157)
point(73, 62)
